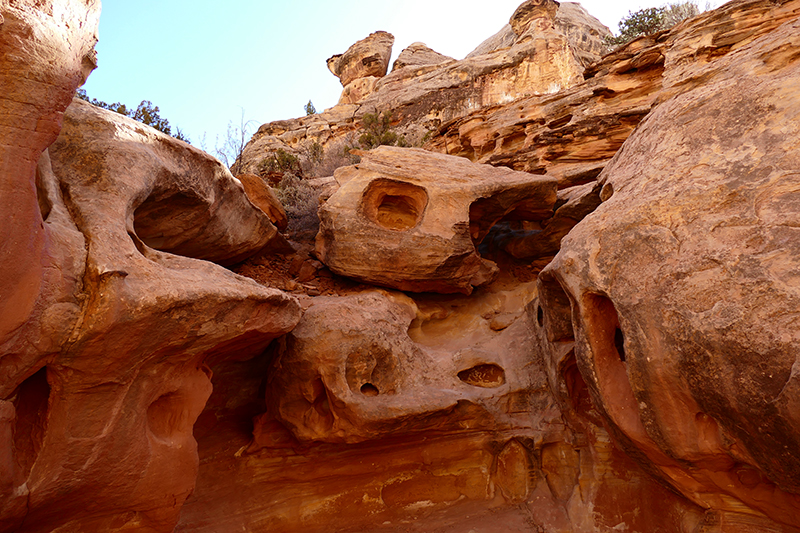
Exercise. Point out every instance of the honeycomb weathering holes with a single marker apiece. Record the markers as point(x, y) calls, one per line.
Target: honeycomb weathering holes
point(484, 375)
point(394, 205)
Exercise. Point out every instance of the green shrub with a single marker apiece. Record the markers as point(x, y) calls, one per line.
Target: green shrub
point(310, 109)
point(280, 161)
point(651, 20)
point(378, 131)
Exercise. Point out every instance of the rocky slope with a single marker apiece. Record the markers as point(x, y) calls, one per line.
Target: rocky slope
point(600, 338)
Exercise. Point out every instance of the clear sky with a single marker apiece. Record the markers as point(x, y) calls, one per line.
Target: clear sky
point(203, 62)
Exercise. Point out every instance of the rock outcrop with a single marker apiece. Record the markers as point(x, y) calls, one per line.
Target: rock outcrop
point(412, 220)
point(419, 55)
point(683, 287)
point(105, 341)
point(643, 379)
point(361, 65)
point(426, 89)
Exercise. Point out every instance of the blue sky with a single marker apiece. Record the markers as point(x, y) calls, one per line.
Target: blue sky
point(203, 62)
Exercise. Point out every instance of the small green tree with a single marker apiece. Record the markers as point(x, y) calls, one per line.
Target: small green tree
point(310, 109)
point(146, 113)
point(651, 20)
point(378, 131)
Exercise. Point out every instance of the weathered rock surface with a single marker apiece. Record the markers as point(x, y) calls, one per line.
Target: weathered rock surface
point(419, 55)
point(684, 287)
point(368, 57)
point(573, 134)
point(411, 220)
point(103, 340)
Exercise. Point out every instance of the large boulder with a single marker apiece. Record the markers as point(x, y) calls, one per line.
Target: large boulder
point(409, 219)
point(681, 292)
point(368, 57)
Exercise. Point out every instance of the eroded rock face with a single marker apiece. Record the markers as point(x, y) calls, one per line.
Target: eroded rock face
point(104, 341)
point(360, 368)
point(683, 289)
point(368, 57)
point(409, 219)
point(426, 90)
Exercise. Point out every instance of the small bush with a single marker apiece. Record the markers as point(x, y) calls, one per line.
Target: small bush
point(378, 131)
point(279, 162)
point(300, 201)
point(310, 109)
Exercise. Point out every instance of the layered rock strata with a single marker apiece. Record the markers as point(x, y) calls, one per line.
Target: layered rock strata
point(426, 89)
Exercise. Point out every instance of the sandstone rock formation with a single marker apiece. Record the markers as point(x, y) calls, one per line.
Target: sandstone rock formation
point(104, 341)
point(411, 220)
point(419, 55)
point(683, 287)
point(645, 379)
point(362, 64)
point(261, 195)
point(425, 89)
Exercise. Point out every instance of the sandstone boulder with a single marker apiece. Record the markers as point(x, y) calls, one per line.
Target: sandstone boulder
point(368, 57)
point(411, 220)
point(419, 55)
point(364, 367)
point(261, 195)
point(681, 290)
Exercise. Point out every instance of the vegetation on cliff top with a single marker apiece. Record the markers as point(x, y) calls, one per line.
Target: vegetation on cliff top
point(651, 20)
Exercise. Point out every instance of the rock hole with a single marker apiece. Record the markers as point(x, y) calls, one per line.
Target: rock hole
point(394, 205)
point(31, 404)
point(602, 325)
point(169, 221)
point(619, 344)
point(561, 121)
point(368, 389)
point(540, 316)
point(167, 415)
point(556, 308)
point(487, 376)
point(45, 206)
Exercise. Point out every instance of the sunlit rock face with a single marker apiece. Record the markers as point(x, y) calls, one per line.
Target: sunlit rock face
point(426, 89)
point(361, 65)
point(409, 219)
point(681, 290)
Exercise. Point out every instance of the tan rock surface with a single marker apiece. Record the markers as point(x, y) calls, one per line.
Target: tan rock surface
point(368, 57)
point(419, 55)
point(409, 219)
point(261, 195)
point(684, 293)
point(573, 134)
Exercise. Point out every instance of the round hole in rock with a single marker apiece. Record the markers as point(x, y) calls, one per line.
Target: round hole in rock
point(368, 389)
point(485, 375)
point(394, 205)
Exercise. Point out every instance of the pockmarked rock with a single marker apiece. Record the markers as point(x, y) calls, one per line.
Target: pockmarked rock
point(681, 291)
point(409, 219)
